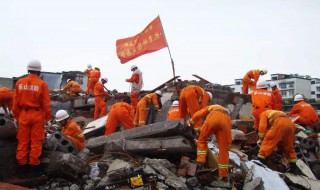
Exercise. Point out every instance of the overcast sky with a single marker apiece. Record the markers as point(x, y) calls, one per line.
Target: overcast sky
point(219, 40)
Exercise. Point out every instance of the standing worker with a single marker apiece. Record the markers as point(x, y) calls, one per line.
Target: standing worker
point(193, 98)
point(262, 100)
point(100, 108)
point(141, 110)
point(72, 87)
point(136, 85)
point(31, 109)
point(276, 126)
point(6, 99)
point(308, 115)
point(250, 80)
point(217, 122)
point(174, 112)
point(120, 112)
point(71, 129)
point(87, 72)
point(93, 79)
point(277, 96)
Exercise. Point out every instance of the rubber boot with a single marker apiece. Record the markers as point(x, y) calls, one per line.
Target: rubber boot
point(23, 171)
point(35, 171)
point(294, 169)
point(262, 160)
point(222, 182)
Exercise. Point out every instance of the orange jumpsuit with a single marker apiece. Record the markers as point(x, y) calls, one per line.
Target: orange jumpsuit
point(6, 98)
point(73, 87)
point(74, 133)
point(261, 100)
point(247, 80)
point(173, 113)
point(141, 110)
point(31, 108)
point(87, 72)
point(94, 76)
point(308, 115)
point(120, 112)
point(218, 122)
point(100, 107)
point(192, 98)
point(278, 99)
point(276, 126)
point(136, 86)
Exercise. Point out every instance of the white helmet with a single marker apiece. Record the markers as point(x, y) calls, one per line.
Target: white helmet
point(265, 71)
point(159, 92)
point(273, 84)
point(89, 66)
point(68, 80)
point(175, 103)
point(34, 65)
point(298, 97)
point(105, 79)
point(210, 95)
point(2, 112)
point(61, 115)
point(133, 66)
point(261, 84)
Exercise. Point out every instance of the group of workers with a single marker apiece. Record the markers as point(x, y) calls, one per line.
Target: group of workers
point(30, 105)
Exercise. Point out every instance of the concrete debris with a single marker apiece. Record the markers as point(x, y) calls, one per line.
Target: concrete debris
point(7, 128)
point(302, 182)
point(256, 184)
point(59, 142)
point(305, 169)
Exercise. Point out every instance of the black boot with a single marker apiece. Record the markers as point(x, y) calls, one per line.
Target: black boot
point(23, 171)
point(262, 160)
point(294, 169)
point(35, 171)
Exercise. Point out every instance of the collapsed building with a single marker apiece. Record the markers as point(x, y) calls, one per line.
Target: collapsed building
point(158, 155)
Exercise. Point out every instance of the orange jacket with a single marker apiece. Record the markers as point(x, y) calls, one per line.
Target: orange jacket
point(94, 73)
point(252, 74)
point(87, 72)
point(267, 119)
point(99, 90)
point(278, 99)
point(262, 99)
point(74, 133)
point(6, 98)
point(72, 87)
point(173, 113)
point(308, 115)
point(134, 78)
point(203, 97)
point(204, 111)
point(32, 92)
point(151, 98)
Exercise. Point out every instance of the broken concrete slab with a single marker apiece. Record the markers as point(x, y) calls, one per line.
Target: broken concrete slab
point(256, 184)
point(118, 170)
point(302, 182)
point(7, 128)
point(304, 168)
point(59, 142)
point(95, 128)
point(160, 129)
point(152, 146)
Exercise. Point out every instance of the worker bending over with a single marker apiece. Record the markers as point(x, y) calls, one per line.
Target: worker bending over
point(174, 111)
point(6, 100)
point(72, 87)
point(250, 80)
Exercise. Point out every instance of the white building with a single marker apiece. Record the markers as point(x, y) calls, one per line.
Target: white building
point(289, 85)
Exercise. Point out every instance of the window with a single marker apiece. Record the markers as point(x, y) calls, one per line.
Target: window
point(318, 88)
point(284, 93)
point(291, 85)
point(313, 82)
point(274, 78)
point(318, 95)
point(291, 92)
point(232, 89)
point(313, 92)
point(283, 85)
point(238, 83)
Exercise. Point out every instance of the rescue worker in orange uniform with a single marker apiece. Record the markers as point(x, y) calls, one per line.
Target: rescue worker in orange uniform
point(93, 79)
point(120, 112)
point(71, 129)
point(136, 81)
point(141, 110)
point(72, 87)
point(217, 122)
point(6, 99)
point(193, 98)
point(262, 100)
point(275, 126)
point(308, 115)
point(174, 112)
point(31, 110)
point(87, 72)
point(100, 107)
point(250, 80)
point(277, 96)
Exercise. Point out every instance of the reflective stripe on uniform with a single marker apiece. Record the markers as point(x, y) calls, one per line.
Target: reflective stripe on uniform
point(293, 160)
point(259, 156)
point(201, 152)
point(80, 135)
point(141, 122)
point(261, 134)
point(223, 165)
point(270, 115)
point(200, 98)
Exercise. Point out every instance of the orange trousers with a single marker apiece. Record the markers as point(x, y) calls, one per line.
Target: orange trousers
point(134, 99)
point(100, 107)
point(219, 124)
point(116, 115)
point(141, 114)
point(79, 145)
point(75, 90)
point(281, 130)
point(30, 136)
point(189, 102)
point(247, 85)
point(92, 82)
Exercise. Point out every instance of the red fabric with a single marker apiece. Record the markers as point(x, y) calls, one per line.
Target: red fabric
point(119, 113)
point(74, 133)
point(6, 98)
point(149, 40)
point(250, 79)
point(31, 108)
point(308, 115)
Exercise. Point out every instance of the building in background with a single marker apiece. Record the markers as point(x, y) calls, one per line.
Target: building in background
point(315, 88)
point(6, 82)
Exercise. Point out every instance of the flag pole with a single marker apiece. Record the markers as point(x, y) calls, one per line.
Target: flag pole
point(172, 63)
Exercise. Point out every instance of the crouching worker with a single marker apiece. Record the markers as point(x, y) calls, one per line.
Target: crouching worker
point(276, 126)
point(70, 129)
point(217, 122)
point(174, 111)
point(120, 112)
point(72, 87)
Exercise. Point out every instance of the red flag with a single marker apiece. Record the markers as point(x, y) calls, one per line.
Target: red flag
point(149, 40)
